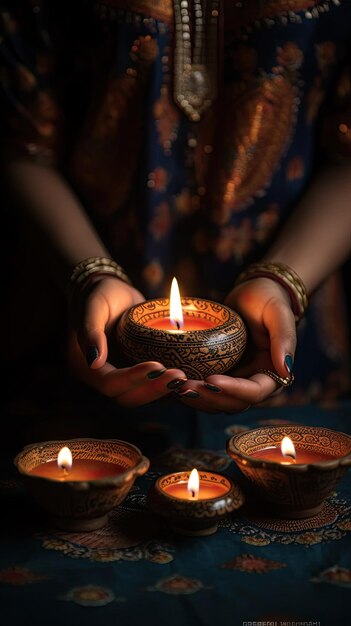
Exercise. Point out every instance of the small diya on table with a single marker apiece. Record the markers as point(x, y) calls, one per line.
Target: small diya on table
point(293, 482)
point(194, 502)
point(80, 480)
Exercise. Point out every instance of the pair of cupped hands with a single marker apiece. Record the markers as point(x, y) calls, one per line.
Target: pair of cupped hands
point(263, 304)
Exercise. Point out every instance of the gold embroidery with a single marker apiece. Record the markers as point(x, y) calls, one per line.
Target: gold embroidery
point(101, 165)
point(255, 127)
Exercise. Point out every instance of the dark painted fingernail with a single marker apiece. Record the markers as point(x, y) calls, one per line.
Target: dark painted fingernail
point(176, 384)
point(155, 374)
point(188, 393)
point(213, 387)
point(91, 355)
point(289, 363)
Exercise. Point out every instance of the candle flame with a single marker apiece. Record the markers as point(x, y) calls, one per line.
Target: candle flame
point(193, 484)
point(288, 448)
point(176, 312)
point(64, 459)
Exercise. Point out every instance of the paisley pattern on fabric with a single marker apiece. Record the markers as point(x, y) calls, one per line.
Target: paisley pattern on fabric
point(241, 131)
point(18, 575)
point(131, 534)
point(177, 585)
point(258, 529)
point(253, 564)
point(336, 575)
point(91, 595)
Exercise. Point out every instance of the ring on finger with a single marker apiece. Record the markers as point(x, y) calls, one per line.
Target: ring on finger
point(284, 382)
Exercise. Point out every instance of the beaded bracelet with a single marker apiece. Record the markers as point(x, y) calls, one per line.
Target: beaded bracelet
point(285, 276)
point(92, 267)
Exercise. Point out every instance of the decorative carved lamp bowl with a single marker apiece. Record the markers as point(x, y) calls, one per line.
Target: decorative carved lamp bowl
point(186, 516)
point(292, 488)
point(103, 471)
point(211, 341)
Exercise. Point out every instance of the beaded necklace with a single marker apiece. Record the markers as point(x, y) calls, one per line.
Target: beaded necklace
point(195, 62)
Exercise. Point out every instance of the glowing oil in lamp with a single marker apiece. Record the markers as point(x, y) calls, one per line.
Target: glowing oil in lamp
point(286, 454)
point(194, 502)
point(63, 468)
point(195, 489)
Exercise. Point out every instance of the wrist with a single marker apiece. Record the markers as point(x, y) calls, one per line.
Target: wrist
point(87, 273)
point(283, 275)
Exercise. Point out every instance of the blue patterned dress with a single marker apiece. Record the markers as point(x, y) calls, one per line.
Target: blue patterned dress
point(90, 89)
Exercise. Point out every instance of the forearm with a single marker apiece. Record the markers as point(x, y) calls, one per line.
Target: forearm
point(317, 238)
point(60, 221)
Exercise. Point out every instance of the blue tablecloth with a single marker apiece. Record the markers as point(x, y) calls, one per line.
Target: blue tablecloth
point(136, 570)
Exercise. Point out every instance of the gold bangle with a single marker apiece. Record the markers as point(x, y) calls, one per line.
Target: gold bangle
point(285, 276)
point(94, 266)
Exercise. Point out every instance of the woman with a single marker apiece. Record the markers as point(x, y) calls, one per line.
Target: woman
point(185, 138)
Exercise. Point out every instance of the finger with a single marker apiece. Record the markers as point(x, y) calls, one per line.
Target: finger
point(97, 320)
point(137, 385)
point(114, 382)
point(148, 389)
point(280, 323)
point(122, 382)
point(212, 400)
point(236, 394)
point(253, 389)
point(208, 405)
point(91, 335)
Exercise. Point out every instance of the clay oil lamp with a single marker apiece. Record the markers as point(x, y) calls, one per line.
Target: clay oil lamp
point(201, 337)
point(291, 469)
point(80, 480)
point(194, 502)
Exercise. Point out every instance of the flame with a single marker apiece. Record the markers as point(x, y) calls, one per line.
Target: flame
point(288, 448)
point(176, 313)
point(64, 459)
point(193, 484)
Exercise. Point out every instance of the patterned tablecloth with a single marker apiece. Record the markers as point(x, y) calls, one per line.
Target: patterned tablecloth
point(254, 570)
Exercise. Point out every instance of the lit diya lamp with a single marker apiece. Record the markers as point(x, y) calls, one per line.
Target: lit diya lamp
point(64, 469)
point(286, 454)
point(201, 337)
point(293, 468)
point(79, 481)
point(194, 502)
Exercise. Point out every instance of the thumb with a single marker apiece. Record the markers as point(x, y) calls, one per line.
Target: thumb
point(91, 334)
point(280, 322)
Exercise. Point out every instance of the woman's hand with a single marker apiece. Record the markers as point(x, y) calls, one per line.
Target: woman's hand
point(265, 308)
point(93, 320)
